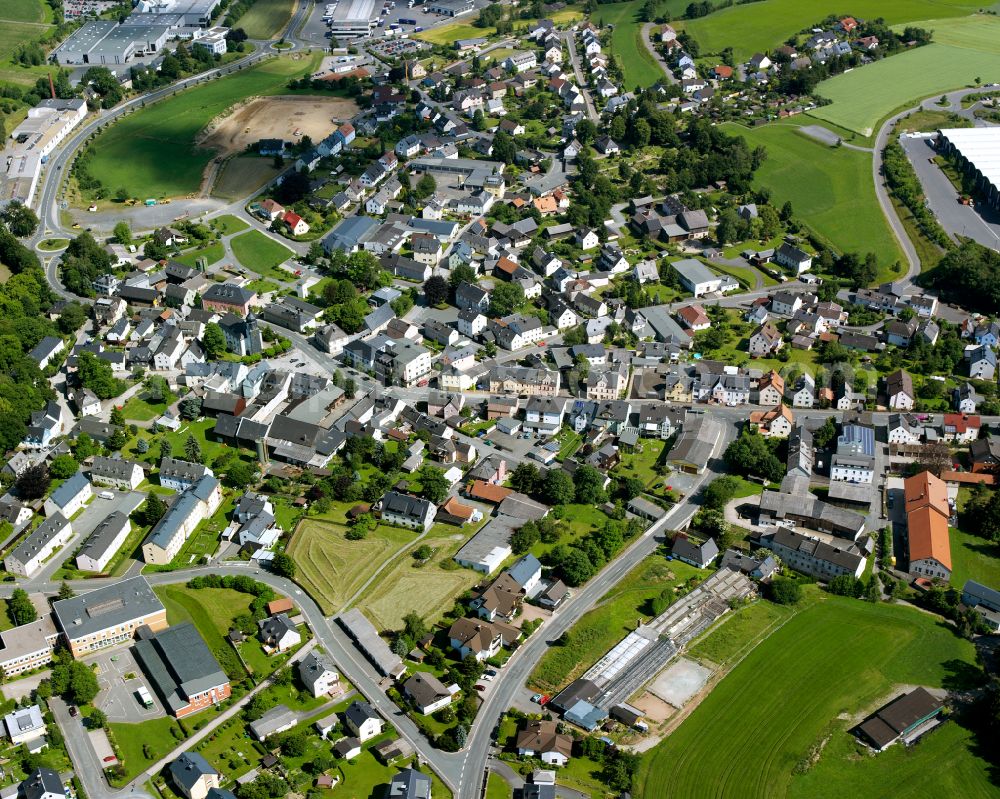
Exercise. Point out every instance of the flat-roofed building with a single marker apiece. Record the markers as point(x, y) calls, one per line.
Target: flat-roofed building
point(978, 153)
point(109, 615)
point(28, 646)
point(354, 18)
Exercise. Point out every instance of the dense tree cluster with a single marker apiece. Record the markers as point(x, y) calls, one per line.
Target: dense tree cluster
point(82, 263)
point(578, 562)
point(968, 275)
point(752, 454)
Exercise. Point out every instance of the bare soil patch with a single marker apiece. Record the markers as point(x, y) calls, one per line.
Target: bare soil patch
point(281, 117)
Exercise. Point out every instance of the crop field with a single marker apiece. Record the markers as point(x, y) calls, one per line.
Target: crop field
point(261, 253)
point(764, 25)
point(153, 152)
point(829, 187)
point(330, 567)
point(837, 656)
point(429, 590)
point(863, 97)
point(266, 19)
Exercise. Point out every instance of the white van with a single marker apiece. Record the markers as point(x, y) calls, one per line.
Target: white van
point(107, 495)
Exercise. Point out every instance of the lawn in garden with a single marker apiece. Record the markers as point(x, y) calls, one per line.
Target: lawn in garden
point(261, 254)
point(762, 26)
point(830, 188)
point(332, 568)
point(837, 656)
point(156, 737)
point(152, 152)
point(140, 408)
point(610, 621)
point(974, 558)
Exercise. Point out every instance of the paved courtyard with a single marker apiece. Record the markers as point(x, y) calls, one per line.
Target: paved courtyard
point(120, 678)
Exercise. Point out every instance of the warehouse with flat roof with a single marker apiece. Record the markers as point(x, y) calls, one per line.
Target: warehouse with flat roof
point(978, 154)
point(105, 42)
point(352, 18)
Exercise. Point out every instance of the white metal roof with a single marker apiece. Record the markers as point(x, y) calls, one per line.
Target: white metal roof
point(981, 146)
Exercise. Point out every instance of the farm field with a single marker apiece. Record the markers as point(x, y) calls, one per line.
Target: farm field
point(829, 188)
point(330, 567)
point(765, 25)
point(762, 719)
point(860, 100)
point(153, 152)
point(609, 622)
point(429, 590)
point(261, 254)
point(266, 19)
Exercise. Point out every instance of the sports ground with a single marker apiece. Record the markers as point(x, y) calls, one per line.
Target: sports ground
point(797, 693)
point(830, 187)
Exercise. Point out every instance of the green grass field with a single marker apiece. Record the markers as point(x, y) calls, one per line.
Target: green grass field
point(25, 11)
point(227, 224)
point(330, 567)
point(496, 788)
point(837, 656)
point(974, 558)
point(152, 152)
point(266, 19)
point(860, 99)
point(212, 611)
point(765, 25)
point(739, 630)
point(830, 188)
point(158, 737)
point(140, 409)
point(261, 254)
point(639, 68)
point(609, 622)
point(429, 590)
point(900, 772)
point(213, 253)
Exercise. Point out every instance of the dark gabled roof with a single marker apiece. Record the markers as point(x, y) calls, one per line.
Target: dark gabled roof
point(178, 663)
point(228, 293)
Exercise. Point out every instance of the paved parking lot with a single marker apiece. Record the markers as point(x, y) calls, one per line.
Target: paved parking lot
point(117, 697)
point(99, 509)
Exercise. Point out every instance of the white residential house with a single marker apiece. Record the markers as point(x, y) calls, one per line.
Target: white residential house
point(804, 393)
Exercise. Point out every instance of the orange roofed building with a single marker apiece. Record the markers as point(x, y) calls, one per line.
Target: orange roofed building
point(927, 516)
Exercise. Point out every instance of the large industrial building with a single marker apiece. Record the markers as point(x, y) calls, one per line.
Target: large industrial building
point(30, 144)
point(354, 18)
point(978, 153)
point(104, 42)
point(144, 32)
